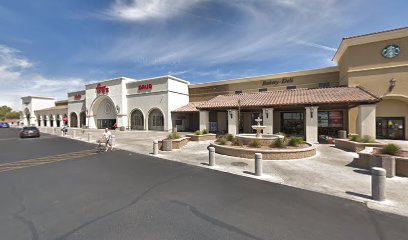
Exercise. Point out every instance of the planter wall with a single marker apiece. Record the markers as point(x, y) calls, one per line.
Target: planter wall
point(175, 143)
point(279, 154)
point(203, 137)
point(367, 160)
point(348, 145)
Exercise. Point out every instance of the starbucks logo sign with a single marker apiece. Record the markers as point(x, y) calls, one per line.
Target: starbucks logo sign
point(391, 51)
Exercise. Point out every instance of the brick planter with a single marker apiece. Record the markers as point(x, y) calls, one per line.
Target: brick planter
point(348, 145)
point(394, 165)
point(267, 154)
point(203, 137)
point(175, 143)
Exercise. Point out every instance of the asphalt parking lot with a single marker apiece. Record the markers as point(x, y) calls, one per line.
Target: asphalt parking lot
point(58, 188)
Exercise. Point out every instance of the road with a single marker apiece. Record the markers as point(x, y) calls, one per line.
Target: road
point(57, 188)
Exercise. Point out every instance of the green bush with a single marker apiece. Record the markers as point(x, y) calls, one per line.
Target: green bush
point(222, 141)
point(255, 143)
point(173, 135)
point(390, 149)
point(237, 142)
point(198, 132)
point(279, 143)
point(282, 134)
point(356, 138)
point(230, 137)
point(368, 139)
point(295, 141)
point(204, 131)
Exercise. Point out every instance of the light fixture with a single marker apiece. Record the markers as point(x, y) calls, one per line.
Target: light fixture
point(267, 113)
point(230, 113)
point(117, 108)
point(311, 112)
point(392, 84)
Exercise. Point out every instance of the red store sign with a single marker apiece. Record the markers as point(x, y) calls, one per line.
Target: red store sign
point(77, 96)
point(145, 87)
point(101, 89)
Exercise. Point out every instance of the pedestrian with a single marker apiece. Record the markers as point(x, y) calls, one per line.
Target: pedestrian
point(115, 126)
point(108, 139)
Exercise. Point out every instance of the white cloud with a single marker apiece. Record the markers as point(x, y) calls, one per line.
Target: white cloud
point(259, 30)
point(19, 78)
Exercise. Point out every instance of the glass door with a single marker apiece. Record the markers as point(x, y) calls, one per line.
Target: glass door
point(293, 123)
point(390, 128)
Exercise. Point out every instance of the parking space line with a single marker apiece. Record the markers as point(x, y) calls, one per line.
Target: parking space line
point(45, 160)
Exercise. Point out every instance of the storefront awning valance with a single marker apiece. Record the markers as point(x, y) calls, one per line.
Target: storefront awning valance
point(319, 96)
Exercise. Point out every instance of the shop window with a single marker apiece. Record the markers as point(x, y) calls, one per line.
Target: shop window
point(293, 123)
point(324, 85)
point(238, 92)
point(263, 90)
point(330, 122)
point(290, 87)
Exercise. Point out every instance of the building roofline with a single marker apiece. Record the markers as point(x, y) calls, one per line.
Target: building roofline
point(368, 38)
point(275, 75)
point(164, 76)
point(51, 98)
point(108, 80)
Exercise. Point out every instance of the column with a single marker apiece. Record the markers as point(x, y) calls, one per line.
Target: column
point(204, 120)
point(122, 121)
point(48, 121)
point(91, 122)
point(25, 122)
point(55, 120)
point(267, 120)
point(311, 124)
point(233, 122)
point(366, 120)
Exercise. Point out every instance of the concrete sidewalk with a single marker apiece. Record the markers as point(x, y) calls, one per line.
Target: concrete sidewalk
point(331, 171)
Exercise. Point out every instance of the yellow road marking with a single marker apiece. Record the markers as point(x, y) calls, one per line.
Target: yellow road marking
point(44, 160)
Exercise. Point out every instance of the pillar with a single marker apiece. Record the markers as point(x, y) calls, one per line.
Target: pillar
point(366, 120)
point(48, 121)
point(122, 121)
point(267, 120)
point(91, 121)
point(233, 122)
point(55, 120)
point(311, 124)
point(204, 120)
point(25, 122)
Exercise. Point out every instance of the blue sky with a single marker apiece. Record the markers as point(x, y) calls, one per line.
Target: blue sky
point(49, 47)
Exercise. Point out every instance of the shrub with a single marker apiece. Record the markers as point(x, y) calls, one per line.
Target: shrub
point(356, 138)
point(174, 135)
point(390, 149)
point(204, 131)
point(282, 134)
point(255, 143)
point(278, 143)
point(222, 141)
point(230, 137)
point(295, 141)
point(198, 132)
point(237, 142)
point(367, 139)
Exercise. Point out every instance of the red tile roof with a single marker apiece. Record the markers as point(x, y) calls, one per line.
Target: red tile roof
point(338, 95)
point(190, 107)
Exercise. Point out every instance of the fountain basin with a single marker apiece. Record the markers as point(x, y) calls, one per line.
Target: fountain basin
point(265, 139)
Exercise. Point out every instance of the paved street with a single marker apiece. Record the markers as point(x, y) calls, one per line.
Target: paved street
point(58, 188)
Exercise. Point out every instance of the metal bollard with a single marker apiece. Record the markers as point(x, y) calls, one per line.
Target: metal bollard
point(258, 164)
point(89, 137)
point(378, 183)
point(211, 156)
point(155, 147)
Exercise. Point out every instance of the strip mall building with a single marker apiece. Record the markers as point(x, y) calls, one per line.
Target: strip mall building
point(366, 93)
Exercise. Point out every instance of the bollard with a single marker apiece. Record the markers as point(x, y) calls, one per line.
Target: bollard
point(211, 156)
point(258, 164)
point(155, 147)
point(378, 183)
point(89, 137)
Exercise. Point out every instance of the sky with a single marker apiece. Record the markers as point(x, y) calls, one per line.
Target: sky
point(49, 47)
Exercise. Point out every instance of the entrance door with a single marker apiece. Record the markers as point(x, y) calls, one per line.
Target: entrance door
point(390, 128)
point(293, 123)
point(106, 123)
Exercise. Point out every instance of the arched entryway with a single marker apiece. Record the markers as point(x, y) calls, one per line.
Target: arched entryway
point(38, 120)
point(137, 120)
point(58, 120)
point(156, 120)
point(51, 121)
point(73, 120)
point(104, 112)
point(82, 119)
point(45, 121)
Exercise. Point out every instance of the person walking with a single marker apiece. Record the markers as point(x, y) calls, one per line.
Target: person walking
point(108, 139)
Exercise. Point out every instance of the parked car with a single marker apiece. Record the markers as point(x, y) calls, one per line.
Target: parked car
point(4, 125)
point(29, 132)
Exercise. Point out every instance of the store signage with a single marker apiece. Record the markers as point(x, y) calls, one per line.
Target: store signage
point(145, 87)
point(277, 82)
point(77, 96)
point(101, 89)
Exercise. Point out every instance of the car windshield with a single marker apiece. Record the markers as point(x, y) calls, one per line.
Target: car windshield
point(29, 128)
